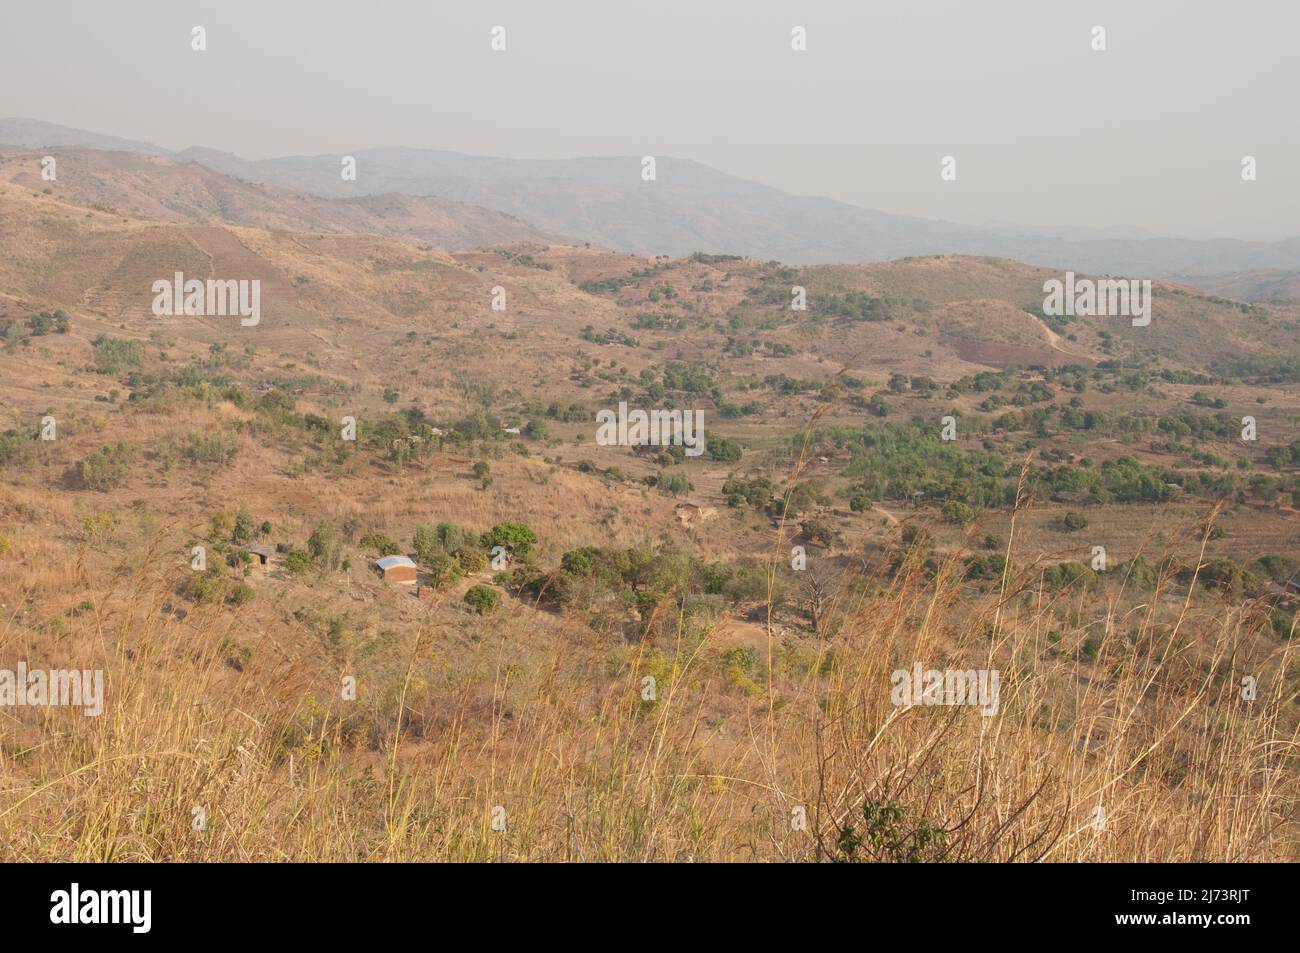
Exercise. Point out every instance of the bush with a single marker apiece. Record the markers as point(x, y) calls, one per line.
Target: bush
point(380, 544)
point(470, 559)
point(243, 531)
point(426, 545)
point(47, 321)
point(1073, 521)
point(1226, 576)
point(888, 834)
point(482, 599)
point(114, 356)
point(322, 547)
point(453, 536)
point(216, 448)
point(15, 448)
point(241, 594)
point(724, 451)
point(443, 570)
point(1066, 574)
point(818, 532)
point(1139, 573)
point(580, 562)
point(209, 585)
point(107, 467)
point(297, 562)
point(674, 484)
point(958, 512)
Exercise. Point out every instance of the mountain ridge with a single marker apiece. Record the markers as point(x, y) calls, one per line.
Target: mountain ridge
point(694, 207)
point(159, 188)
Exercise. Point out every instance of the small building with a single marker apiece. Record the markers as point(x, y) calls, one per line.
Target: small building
point(262, 551)
point(396, 569)
point(690, 511)
point(510, 430)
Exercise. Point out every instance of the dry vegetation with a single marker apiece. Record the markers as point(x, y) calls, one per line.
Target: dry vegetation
point(1120, 690)
point(1148, 722)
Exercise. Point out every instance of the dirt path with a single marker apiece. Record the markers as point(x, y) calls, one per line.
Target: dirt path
point(1054, 339)
point(877, 508)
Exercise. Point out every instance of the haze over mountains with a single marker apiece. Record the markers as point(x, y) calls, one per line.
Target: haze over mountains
point(383, 404)
point(162, 189)
point(604, 201)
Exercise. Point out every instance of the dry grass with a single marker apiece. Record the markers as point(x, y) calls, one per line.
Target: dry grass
point(1151, 726)
point(1121, 699)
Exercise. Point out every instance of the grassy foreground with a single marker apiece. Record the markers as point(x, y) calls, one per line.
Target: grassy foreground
point(1131, 705)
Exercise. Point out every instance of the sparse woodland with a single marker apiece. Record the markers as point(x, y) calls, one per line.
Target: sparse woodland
point(585, 668)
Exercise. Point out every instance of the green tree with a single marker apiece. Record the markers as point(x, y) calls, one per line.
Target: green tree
point(674, 483)
point(724, 451)
point(244, 528)
point(322, 546)
point(426, 544)
point(443, 570)
point(482, 599)
point(958, 512)
point(453, 536)
point(517, 538)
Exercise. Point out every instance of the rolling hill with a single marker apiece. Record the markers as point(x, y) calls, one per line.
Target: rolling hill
point(525, 687)
point(692, 207)
point(161, 189)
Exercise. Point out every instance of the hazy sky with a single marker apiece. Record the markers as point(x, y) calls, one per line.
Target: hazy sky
point(1045, 131)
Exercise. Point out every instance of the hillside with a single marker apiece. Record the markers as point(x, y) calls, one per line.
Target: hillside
point(524, 686)
point(691, 207)
point(163, 190)
point(365, 325)
point(61, 255)
point(33, 133)
point(1278, 286)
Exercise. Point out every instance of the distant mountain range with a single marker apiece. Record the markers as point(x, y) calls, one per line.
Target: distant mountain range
point(161, 189)
point(692, 207)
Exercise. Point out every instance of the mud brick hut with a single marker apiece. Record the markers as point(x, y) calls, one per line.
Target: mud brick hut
point(396, 569)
